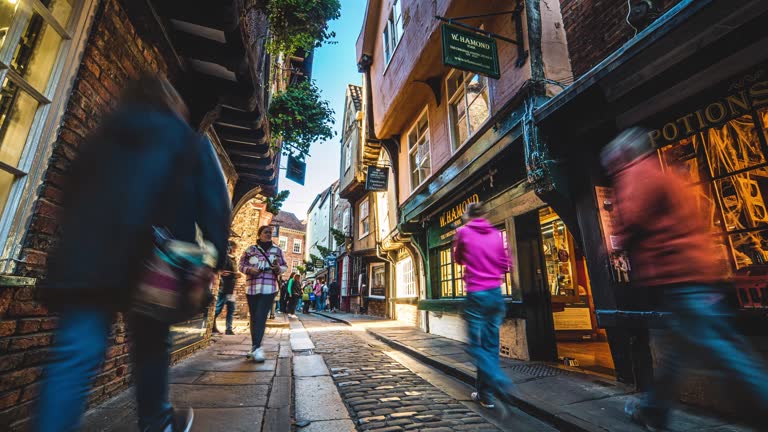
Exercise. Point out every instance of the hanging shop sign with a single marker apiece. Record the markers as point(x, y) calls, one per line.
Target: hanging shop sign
point(296, 170)
point(470, 51)
point(377, 179)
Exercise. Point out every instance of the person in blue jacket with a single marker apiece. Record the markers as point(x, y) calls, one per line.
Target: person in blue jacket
point(143, 167)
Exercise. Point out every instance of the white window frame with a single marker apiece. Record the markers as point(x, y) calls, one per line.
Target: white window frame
point(393, 31)
point(294, 267)
point(345, 221)
point(453, 98)
point(14, 218)
point(414, 148)
point(406, 279)
point(296, 242)
point(282, 243)
point(365, 217)
point(345, 276)
point(348, 154)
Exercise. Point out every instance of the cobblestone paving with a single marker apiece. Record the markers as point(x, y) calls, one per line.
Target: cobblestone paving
point(380, 393)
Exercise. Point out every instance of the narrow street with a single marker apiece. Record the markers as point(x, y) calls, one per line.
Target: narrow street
point(390, 391)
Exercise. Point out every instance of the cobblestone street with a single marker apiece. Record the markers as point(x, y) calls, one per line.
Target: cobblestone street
point(383, 395)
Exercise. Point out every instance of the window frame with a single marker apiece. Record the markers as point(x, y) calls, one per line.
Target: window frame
point(406, 279)
point(393, 31)
point(364, 219)
point(345, 219)
point(414, 148)
point(295, 243)
point(462, 93)
point(40, 140)
point(348, 154)
point(280, 242)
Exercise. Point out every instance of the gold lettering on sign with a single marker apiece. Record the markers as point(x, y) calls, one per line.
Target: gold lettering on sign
point(730, 106)
point(456, 211)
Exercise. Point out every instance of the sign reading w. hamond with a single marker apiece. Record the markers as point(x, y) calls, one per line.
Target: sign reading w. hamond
point(470, 51)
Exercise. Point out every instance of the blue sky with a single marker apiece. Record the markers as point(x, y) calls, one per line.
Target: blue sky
point(334, 67)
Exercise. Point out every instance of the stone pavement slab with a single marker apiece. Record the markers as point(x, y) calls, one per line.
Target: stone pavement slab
point(228, 419)
point(235, 378)
point(318, 399)
point(330, 426)
point(309, 366)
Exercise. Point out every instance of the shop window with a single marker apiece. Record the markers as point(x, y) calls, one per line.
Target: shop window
point(468, 105)
point(344, 276)
point(365, 223)
point(419, 152)
point(35, 41)
point(283, 243)
point(406, 282)
point(728, 166)
point(393, 31)
point(558, 255)
point(506, 285)
point(451, 275)
point(296, 246)
point(378, 285)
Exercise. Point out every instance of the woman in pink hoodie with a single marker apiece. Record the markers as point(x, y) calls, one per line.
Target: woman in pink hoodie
point(479, 247)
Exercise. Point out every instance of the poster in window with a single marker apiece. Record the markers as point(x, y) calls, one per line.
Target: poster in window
point(606, 202)
point(378, 284)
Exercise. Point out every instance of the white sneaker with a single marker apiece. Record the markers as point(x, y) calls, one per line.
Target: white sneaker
point(476, 397)
point(258, 355)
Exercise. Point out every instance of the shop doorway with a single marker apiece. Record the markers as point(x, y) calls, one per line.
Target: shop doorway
point(580, 342)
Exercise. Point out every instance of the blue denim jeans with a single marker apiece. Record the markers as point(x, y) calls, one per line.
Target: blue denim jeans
point(699, 328)
point(220, 303)
point(484, 312)
point(77, 356)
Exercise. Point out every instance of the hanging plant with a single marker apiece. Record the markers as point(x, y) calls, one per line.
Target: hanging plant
point(298, 117)
point(338, 236)
point(297, 26)
point(275, 204)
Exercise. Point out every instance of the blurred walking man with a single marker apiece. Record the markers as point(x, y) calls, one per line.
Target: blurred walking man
point(672, 252)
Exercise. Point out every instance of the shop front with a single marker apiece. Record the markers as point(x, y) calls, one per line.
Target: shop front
point(707, 115)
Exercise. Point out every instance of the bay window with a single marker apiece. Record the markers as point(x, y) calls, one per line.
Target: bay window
point(468, 105)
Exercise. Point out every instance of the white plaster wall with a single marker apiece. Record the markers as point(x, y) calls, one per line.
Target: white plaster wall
point(406, 314)
point(448, 325)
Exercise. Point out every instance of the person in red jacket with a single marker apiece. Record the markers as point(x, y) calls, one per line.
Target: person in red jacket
point(672, 252)
point(479, 247)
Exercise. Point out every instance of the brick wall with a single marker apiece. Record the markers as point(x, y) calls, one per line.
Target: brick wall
point(114, 53)
point(596, 28)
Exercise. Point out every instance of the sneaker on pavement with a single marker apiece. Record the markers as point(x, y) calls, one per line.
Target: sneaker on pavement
point(229, 332)
point(181, 421)
point(476, 397)
point(258, 355)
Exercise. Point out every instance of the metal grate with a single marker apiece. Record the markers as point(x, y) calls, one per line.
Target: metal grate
point(537, 370)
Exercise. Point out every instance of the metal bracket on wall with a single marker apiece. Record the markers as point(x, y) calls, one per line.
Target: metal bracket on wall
point(517, 16)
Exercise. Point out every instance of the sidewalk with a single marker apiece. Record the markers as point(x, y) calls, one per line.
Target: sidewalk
point(227, 392)
point(570, 400)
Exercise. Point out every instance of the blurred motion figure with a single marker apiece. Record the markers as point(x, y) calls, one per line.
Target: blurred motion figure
point(674, 255)
point(125, 181)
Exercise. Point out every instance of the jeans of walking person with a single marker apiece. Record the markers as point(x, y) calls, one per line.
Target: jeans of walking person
point(259, 306)
point(484, 312)
point(221, 301)
point(699, 328)
point(321, 302)
point(77, 356)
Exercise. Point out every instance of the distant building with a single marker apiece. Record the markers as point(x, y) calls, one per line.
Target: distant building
point(319, 231)
point(289, 234)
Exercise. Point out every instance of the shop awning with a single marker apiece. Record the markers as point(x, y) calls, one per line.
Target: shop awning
point(685, 51)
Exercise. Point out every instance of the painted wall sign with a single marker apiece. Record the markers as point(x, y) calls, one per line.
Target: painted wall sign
point(443, 228)
point(377, 178)
point(470, 51)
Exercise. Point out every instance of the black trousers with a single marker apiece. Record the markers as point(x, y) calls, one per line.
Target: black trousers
point(259, 306)
point(306, 306)
point(290, 304)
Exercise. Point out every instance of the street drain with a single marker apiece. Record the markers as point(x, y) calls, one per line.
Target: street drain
point(537, 370)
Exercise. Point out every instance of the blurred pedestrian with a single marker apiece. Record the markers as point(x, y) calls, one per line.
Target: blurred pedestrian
point(306, 295)
point(262, 263)
point(318, 291)
point(293, 295)
point(283, 305)
point(333, 295)
point(673, 253)
point(479, 247)
point(144, 167)
point(226, 296)
point(324, 299)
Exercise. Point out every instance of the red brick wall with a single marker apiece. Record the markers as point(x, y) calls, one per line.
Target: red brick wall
point(113, 54)
point(596, 28)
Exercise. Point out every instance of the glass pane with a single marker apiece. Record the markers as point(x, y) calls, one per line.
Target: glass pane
point(39, 45)
point(7, 12)
point(17, 111)
point(423, 126)
point(742, 199)
point(750, 248)
point(6, 181)
point(733, 147)
point(687, 158)
point(478, 110)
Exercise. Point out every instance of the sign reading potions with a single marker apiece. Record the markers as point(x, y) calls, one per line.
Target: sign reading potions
point(470, 51)
point(377, 178)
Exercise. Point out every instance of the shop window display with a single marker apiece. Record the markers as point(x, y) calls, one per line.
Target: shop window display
point(728, 165)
